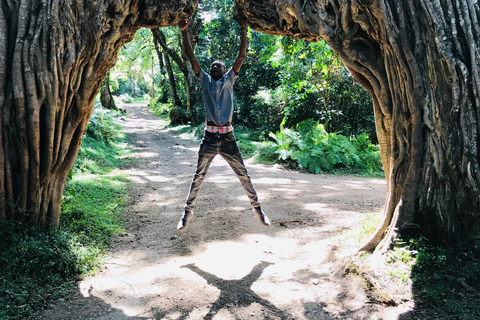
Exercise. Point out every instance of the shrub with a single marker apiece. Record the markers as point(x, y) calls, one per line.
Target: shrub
point(178, 115)
point(311, 148)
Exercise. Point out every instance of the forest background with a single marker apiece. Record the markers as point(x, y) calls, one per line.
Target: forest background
point(295, 102)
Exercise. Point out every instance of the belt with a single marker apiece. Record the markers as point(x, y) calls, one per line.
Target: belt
point(213, 129)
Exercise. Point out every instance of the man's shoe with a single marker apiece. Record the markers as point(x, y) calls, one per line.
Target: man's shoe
point(186, 217)
point(262, 217)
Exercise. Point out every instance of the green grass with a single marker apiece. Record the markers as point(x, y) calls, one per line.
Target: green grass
point(446, 282)
point(38, 266)
point(361, 232)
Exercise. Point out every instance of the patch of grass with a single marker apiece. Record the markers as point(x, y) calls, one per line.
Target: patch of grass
point(361, 232)
point(92, 207)
point(266, 153)
point(37, 266)
point(34, 266)
point(446, 282)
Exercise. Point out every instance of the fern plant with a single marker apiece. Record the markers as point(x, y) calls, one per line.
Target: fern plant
point(310, 147)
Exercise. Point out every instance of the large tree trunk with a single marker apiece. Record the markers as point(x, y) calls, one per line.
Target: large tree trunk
point(420, 60)
point(54, 55)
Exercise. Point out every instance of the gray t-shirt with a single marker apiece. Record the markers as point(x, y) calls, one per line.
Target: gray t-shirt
point(218, 96)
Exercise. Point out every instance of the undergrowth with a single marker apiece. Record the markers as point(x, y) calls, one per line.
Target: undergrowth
point(161, 110)
point(38, 266)
point(434, 281)
point(307, 147)
point(446, 282)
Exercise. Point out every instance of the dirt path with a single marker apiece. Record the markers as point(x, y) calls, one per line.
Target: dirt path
point(225, 265)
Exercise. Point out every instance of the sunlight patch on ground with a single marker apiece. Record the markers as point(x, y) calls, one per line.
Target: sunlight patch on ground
point(278, 181)
point(157, 178)
point(146, 154)
point(330, 188)
point(314, 206)
point(179, 146)
point(378, 181)
point(273, 269)
point(139, 176)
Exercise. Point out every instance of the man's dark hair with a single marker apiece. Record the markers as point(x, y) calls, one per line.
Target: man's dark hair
point(221, 62)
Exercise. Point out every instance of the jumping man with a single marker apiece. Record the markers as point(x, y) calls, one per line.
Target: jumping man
point(217, 90)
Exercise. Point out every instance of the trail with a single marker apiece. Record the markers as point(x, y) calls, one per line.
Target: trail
point(225, 265)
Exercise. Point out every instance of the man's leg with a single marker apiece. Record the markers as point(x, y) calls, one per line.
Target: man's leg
point(231, 153)
point(204, 161)
point(236, 163)
point(205, 157)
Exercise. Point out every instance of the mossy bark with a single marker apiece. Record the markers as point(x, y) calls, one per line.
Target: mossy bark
point(420, 60)
point(54, 55)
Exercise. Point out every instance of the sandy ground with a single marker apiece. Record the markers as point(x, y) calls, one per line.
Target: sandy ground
point(225, 265)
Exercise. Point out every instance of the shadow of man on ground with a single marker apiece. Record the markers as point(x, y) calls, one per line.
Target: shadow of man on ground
point(237, 293)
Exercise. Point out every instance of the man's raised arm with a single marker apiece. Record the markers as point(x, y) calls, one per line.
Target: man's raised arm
point(183, 25)
point(243, 45)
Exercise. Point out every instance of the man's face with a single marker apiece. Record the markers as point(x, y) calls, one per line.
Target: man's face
point(217, 70)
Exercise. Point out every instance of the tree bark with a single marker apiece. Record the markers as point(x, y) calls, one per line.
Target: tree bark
point(54, 55)
point(420, 62)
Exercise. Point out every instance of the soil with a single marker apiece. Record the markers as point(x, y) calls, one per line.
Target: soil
point(226, 265)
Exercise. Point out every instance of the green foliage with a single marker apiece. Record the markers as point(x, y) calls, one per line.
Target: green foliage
point(92, 206)
point(311, 148)
point(34, 265)
point(132, 75)
point(361, 232)
point(316, 85)
point(267, 153)
point(447, 280)
point(37, 266)
point(247, 141)
point(159, 109)
point(178, 115)
point(103, 146)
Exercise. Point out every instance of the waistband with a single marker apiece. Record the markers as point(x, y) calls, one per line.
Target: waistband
point(225, 129)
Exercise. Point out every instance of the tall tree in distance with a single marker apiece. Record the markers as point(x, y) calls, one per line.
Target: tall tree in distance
point(54, 55)
point(106, 97)
point(420, 61)
point(161, 44)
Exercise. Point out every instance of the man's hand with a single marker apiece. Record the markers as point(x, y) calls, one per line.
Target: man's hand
point(183, 24)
